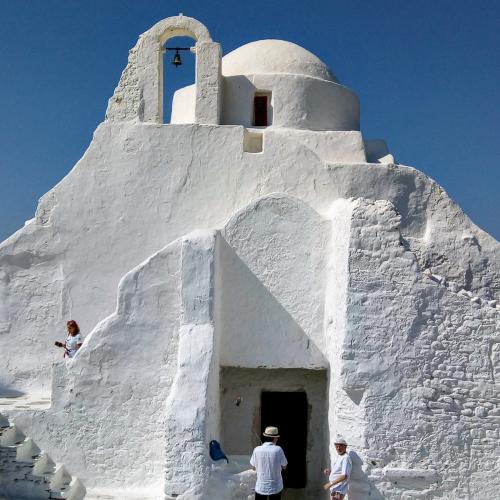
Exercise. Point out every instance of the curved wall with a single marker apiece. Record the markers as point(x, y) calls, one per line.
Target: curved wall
point(264, 57)
point(183, 105)
point(297, 101)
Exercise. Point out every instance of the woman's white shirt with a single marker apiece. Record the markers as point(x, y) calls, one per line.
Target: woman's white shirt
point(71, 344)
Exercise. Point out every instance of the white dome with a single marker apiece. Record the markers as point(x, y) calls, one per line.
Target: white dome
point(274, 56)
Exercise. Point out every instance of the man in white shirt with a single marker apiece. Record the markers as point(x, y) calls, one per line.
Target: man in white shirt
point(340, 472)
point(268, 460)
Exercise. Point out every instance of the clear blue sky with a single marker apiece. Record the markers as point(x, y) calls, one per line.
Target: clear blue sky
point(427, 73)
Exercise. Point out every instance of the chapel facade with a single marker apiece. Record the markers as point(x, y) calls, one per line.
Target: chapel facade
point(254, 262)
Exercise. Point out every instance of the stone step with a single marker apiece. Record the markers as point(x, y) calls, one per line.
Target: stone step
point(44, 465)
point(11, 436)
point(60, 478)
point(28, 451)
point(35, 401)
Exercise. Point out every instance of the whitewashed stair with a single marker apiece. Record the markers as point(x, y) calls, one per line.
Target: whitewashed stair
point(28, 473)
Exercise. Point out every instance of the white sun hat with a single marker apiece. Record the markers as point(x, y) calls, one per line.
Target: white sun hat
point(340, 440)
point(271, 432)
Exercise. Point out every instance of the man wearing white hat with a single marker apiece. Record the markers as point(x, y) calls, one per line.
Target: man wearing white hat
point(340, 472)
point(268, 460)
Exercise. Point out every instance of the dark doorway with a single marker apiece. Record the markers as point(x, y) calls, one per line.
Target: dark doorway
point(260, 111)
point(288, 411)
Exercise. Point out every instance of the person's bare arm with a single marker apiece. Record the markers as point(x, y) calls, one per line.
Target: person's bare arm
point(328, 485)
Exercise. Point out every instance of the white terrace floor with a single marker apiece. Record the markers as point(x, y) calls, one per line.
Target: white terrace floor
point(39, 401)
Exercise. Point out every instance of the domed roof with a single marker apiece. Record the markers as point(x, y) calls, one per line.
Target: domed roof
point(274, 56)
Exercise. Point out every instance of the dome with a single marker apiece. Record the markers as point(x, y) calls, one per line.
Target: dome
point(274, 56)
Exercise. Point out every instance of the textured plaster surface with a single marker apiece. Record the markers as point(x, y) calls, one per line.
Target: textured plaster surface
point(420, 364)
point(303, 92)
point(272, 286)
point(108, 402)
point(139, 94)
point(68, 261)
point(192, 405)
point(298, 100)
point(274, 57)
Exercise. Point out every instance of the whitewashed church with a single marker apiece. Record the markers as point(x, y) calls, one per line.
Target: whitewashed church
point(253, 262)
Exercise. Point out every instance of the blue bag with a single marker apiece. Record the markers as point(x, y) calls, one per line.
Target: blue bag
point(216, 452)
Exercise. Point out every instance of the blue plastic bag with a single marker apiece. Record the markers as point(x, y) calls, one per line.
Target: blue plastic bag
point(216, 452)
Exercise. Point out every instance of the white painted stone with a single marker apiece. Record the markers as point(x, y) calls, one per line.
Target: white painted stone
point(117, 384)
point(304, 93)
point(183, 106)
point(273, 57)
point(298, 102)
point(139, 94)
point(273, 298)
point(193, 249)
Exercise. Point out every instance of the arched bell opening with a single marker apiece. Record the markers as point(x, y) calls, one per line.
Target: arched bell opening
point(139, 94)
point(203, 98)
point(178, 72)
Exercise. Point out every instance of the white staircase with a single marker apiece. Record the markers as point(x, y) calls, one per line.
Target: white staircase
point(29, 474)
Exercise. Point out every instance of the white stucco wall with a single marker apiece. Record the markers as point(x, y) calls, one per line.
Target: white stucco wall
point(344, 415)
point(192, 408)
point(183, 105)
point(272, 286)
point(172, 177)
point(139, 94)
point(108, 401)
point(373, 315)
point(298, 101)
point(420, 360)
point(272, 56)
point(304, 93)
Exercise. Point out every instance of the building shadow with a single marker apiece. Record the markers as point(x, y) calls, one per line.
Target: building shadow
point(360, 486)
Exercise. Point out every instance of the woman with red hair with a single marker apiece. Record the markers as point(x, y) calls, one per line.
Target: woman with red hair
point(73, 341)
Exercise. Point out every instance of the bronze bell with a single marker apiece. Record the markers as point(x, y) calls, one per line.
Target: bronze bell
point(177, 59)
